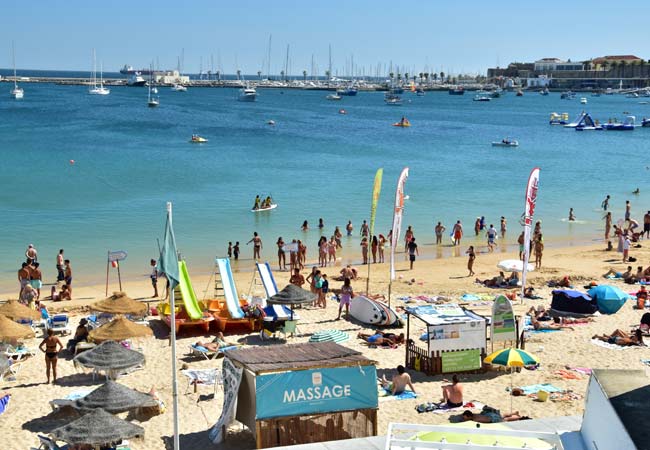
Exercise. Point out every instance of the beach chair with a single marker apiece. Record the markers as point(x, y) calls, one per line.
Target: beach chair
point(60, 324)
point(205, 377)
point(49, 444)
point(11, 370)
point(290, 327)
point(68, 400)
point(199, 351)
point(17, 354)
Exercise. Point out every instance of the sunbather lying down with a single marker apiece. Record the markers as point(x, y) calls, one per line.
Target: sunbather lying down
point(555, 325)
point(621, 338)
point(216, 344)
point(541, 315)
point(491, 415)
point(381, 338)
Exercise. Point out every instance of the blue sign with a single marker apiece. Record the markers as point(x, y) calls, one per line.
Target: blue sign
point(315, 391)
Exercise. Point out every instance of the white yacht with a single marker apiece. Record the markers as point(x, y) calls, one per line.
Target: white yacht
point(179, 88)
point(136, 79)
point(17, 92)
point(96, 89)
point(247, 94)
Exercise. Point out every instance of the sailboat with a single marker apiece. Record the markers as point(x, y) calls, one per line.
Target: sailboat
point(152, 102)
point(17, 92)
point(98, 90)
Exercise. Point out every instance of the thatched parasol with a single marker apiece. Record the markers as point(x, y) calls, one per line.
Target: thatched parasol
point(292, 295)
point(16, 310)
point(119, 329)
point(119, 303)
point(10, 330)
point(114, 398)
point(109, 355)
point(97, 428)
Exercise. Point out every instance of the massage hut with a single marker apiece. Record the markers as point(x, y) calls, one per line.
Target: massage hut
point(300, 393)
point(444, 339)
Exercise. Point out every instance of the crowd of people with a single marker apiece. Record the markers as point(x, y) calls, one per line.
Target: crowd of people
point(30, 279)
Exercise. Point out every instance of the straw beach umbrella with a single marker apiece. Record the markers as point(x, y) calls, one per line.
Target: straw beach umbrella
point(292, 295)
point(97, 428)
point(511, 357)
point(119, 303)
point(119, 329)
point(114, 398)
point(14, 310)
point(10, 330)
point(109, 356)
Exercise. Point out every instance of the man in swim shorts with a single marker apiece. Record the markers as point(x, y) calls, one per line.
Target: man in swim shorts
point(399, 382)
point(452, 393)
point(413, 250)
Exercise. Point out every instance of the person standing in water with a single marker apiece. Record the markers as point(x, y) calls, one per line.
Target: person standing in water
point(439, 230)
point(349, 228)
point(282, 258)
point(608, 224)
point(605, 203)
point(257, 245)
point(628, 209)
point(504, 227)
point(572, 216)
point(458, 232)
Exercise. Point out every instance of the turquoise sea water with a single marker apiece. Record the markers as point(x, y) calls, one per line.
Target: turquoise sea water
point(130, 160)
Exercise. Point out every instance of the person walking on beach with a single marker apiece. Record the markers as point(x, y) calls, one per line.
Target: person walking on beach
point(311, 280)
point(520, 241)
point(407, 237)
point(439, 230)
point(302, 254)
point(349, 228)
point(626, 248)
point(322, 251)
point(605, 203)
point(646, 225)
point(31, 254)
point(282, 258)
point(23, 278)
point(36, 279)
point(257, 245)
point(229, 251)
point(59, 266)
point(608, 224)
point(331, 250)
point(374, 244)
point(539, 250)
point(503, 227)
point(337, 237)
point(154, 277)
point(628, 209)
point(68, 276)
point(470, 261)
point(491, 235)
point(345, 297)
point(458, 232)
point(413, 250)
point(51, 346)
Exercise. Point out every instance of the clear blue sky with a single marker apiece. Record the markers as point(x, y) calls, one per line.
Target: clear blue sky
point(453, 36)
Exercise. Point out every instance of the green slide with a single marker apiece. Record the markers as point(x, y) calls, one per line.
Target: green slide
point(187, 291)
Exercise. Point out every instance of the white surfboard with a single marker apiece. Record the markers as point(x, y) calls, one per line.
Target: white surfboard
point(392, 318)
point(367, 311)
point(273, 206)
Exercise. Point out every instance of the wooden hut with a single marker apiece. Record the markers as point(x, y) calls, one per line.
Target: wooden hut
point(300, 393)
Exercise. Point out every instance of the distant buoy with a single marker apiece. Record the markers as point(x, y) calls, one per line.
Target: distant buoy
point(271, 122)
point(342, 111)
point(72, 162)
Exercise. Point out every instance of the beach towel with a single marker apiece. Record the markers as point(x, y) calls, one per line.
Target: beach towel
point(4, 401)
point(442, 408)
point(600, 343)
point(581, 370)
point(534, 388)
point(567, 375)
point(385, 395)
point(469, 297)
point(545, 330)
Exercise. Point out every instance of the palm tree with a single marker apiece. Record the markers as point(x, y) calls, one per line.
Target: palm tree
point(421, 76)
point(426, 78)
point(406, 76)
point(435, 76)
point(259, 75)
point(304, 75)
point(391, 75)
point(623, 65)
point(399, 76)
point(442, 76)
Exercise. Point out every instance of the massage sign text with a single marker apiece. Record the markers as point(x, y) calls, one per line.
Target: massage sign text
point(315, 391)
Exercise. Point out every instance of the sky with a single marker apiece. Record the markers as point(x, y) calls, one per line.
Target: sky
point(429, 35)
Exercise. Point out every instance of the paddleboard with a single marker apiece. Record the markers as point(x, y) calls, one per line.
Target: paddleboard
point(392, 318)
point(273, 206)
point(367, 311)
point(451, 237)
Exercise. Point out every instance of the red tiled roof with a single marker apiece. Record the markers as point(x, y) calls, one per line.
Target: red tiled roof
point(616, 58)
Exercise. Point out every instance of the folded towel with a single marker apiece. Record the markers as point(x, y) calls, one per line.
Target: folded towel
point(406, 395)
point(534, 388)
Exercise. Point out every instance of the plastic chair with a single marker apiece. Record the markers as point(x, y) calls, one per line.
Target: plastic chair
point(290, 327)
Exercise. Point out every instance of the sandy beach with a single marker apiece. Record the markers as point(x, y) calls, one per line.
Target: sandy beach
point(445, 277)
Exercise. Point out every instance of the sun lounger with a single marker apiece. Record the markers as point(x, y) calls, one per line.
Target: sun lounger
point(11, 370)
point(83, 346)
point(49, 444)
point(68, 400)
point(60, 324)
point(18, 353)
point(206, 377)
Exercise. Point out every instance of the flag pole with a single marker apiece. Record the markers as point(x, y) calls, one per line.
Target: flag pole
point(173, 343)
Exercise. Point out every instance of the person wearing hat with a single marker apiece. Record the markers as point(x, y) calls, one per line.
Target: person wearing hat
point(80, 334)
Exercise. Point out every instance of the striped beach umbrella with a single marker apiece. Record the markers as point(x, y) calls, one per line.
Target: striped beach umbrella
point(511, 357)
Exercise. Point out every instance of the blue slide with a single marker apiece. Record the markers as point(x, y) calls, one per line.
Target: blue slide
point(229, 289)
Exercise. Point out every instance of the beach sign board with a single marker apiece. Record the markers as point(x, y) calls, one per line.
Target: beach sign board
point(503, 320)
point(232, 376)
point(315, 391)
point(117, 255)
point(461, 361)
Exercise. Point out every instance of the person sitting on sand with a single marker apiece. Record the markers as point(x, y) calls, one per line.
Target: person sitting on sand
point(382, 338)
point(613, 273)
point(621, 338)
point(63, 295)
point(491, 415)
point(452, 393)
point(347, 272)
point(513, 279)
point(297, 279)
point(540, 314)
point(399, 382)
point(497, 281)
point(644, 325)
point(564, 282)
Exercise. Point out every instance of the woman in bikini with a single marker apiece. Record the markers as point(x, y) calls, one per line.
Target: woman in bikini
point(282, 258)
point(51, 346)
point(257, 245)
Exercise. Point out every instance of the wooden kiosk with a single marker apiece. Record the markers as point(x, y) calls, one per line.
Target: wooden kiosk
point(303, 393)
point(445, 339)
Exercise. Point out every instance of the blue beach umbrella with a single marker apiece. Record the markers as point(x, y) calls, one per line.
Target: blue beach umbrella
point(609, 298)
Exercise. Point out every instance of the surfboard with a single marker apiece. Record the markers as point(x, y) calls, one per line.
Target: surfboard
point(392, 318)
point(367, 311)
point(273, 206)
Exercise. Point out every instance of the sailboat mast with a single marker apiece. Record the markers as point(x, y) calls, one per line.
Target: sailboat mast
point(286, 65)
point(268, 60)
point(13, 57)
point(329, 77)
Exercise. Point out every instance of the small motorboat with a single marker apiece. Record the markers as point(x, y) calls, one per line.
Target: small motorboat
point(179, 88)
point(568, 95)
point(519, 93)
point(627, 125)
point(404, 123)
point(559, 119)
point(459, 90)
point(342, 111)
point(507, 142)
point(645, 122)
point(270, 122)
point(196, 139)
point(392, 99)
point(482, 98)
point(583, 100)
point(334, 97)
